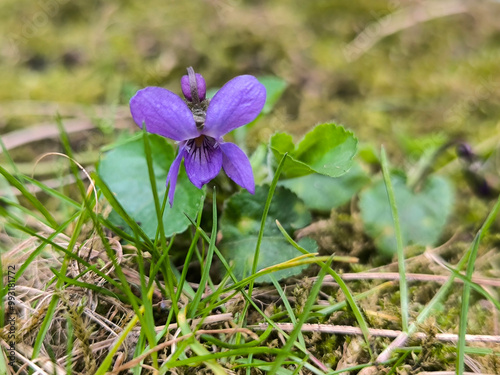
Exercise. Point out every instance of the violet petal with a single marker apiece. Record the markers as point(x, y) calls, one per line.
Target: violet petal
point(202, 159)
point(173, 172)
point(164, 113)
point(237, 166)
point(236, 104)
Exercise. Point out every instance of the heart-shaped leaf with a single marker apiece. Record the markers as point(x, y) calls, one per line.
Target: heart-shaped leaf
point(240, 224)
point(322, 193)
point(328, 149)
point(422, 214)
point(124, 170)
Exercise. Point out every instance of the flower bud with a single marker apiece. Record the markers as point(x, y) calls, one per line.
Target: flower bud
point(201, 86)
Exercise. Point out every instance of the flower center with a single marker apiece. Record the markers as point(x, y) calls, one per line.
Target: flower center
point(202, 145)
point(199, 141)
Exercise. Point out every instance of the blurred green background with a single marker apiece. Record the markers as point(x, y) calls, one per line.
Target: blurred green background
point(409, 74)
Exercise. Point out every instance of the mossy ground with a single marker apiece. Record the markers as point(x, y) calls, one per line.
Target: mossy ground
point(430, 81)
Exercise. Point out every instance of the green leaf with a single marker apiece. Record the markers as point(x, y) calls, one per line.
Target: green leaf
point(422, 214)
point(124, 170)
point(274, 89)
point(240, 224)
point(282, 142)
point(322, 193)
point(328, 149)
point(14, 182)
point(211, 92)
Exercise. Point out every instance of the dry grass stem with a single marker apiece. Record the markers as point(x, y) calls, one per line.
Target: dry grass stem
point(410, 277)
point(352, 331)
point(399, 20)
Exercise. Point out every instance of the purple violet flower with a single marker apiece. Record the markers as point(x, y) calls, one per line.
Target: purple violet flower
point(198, 126)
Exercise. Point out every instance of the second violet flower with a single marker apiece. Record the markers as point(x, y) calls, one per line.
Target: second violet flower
point(198, 125)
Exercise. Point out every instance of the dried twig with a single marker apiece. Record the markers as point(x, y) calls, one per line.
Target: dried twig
point(43, 131)
point(411, 277)
point(399, 20)
point(349, 330)
point(15, 108)
point(49, 130)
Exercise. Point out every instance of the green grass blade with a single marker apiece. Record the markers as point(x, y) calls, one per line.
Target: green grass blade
point(272, 188)
point(183, 286)
point(195, 360)
point(53, 302)
point(17, 206)
point(267, 206)
point(441, 293)
point(69, 345)
point(239, 286)
point(132, 299)
point(199, 349)
point(208, 261)
point(110, 197)
point(399, 361)
point(343, 286)
point(302, 319)
point(118, 231)
point(166, 266)
point(462, 330)
point(326, 311)
point(148, 317)
point(81, 284)
point(3, 293)
point(222, 344)
point(45, 241)
point(8, 157)
point(30, 197)
point(154, 191)
point(63, 136)
point(139, 349)
point(473, 285)
point(403, 287)
point(106, 363)
point(217, 252)
point(48, 241)
point(52, 192)
point(288, 307)
point(304, 363)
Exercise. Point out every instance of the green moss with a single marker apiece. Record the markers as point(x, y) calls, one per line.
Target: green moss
point(413, 90)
